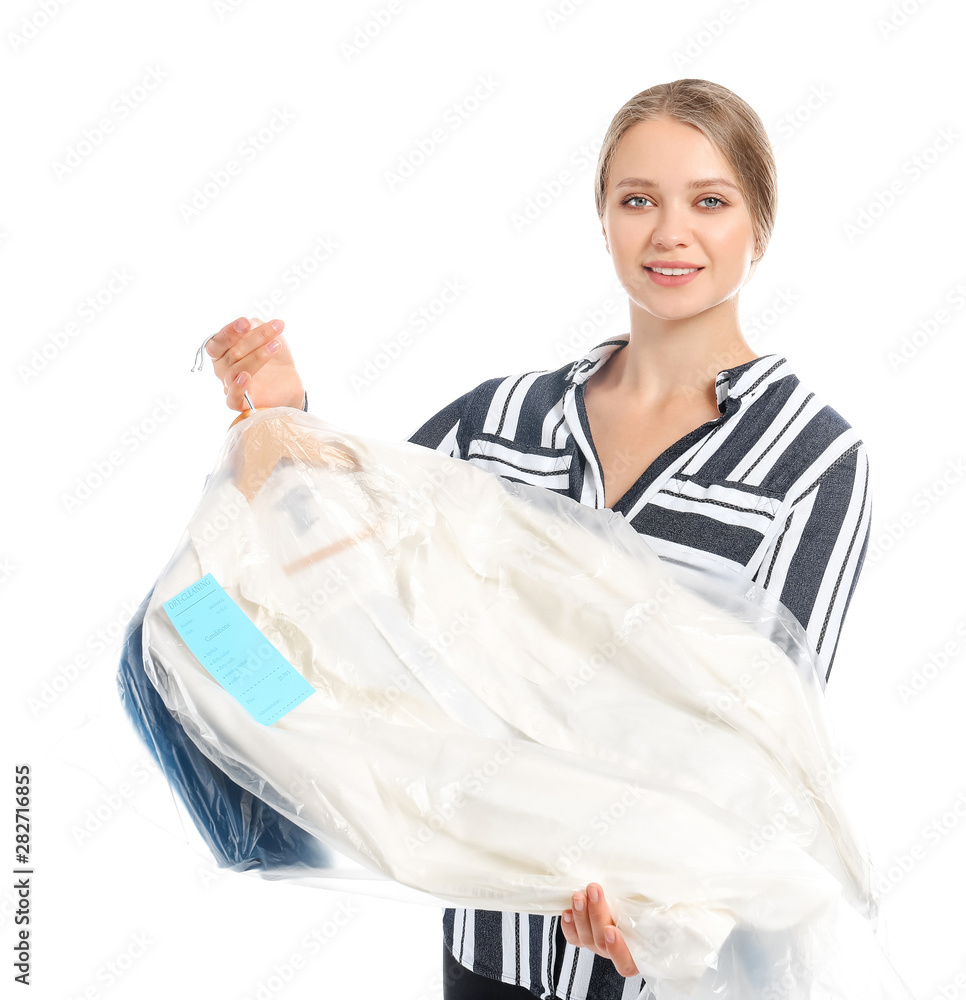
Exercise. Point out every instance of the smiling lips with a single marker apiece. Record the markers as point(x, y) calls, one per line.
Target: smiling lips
point(672, 272)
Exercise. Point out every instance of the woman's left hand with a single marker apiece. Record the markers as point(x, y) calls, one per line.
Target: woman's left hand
point(589, 924)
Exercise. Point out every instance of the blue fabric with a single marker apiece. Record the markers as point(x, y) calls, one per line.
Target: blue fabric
point(241, 831)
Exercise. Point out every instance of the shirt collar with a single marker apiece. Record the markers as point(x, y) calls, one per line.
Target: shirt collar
point(749, 378)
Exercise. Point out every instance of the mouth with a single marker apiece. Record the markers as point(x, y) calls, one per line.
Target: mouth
point(669, 277)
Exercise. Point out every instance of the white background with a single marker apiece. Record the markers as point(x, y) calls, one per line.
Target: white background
point(851, 95)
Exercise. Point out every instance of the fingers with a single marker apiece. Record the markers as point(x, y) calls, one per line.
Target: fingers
point(619, 953)
point(239, 341)
point(235, 392)
point(217, 345)
point(273, 349)
point(258, 338)
point(606, 934)
point(599, 914)
point(255, 347)
point(590, 925)
point(584, 932)
point(569, 931)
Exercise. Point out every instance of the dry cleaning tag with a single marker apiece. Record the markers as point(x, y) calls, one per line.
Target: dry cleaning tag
point(231, 648)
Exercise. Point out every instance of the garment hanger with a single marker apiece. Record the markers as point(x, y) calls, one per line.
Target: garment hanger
point(267, 442)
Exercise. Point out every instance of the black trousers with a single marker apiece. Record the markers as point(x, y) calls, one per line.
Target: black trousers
point(460, 983)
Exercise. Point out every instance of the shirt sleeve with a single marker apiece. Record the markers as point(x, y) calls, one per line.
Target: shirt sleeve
point(442, 431)
point(814, 562)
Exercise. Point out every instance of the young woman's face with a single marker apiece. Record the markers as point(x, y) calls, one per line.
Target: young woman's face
point(657, 211)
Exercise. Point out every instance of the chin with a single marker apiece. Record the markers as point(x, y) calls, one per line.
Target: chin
point(683, 311)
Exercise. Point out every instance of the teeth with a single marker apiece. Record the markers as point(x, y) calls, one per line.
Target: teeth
point(675, 270)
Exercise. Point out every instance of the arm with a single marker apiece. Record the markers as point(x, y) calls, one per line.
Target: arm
point(445, 429)
point(822, 534)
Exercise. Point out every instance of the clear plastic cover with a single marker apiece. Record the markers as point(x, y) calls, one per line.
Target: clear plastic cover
point(513, 696)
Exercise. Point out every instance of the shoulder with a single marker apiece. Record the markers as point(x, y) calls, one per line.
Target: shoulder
point(794, 436)
point(494, 406)
point(486, 407)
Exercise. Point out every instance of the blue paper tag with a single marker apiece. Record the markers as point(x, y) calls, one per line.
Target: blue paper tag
point(232, 649)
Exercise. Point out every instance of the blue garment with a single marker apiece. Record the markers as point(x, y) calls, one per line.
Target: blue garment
point(242, 832)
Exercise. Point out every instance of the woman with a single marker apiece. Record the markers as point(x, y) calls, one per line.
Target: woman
point(678, 425)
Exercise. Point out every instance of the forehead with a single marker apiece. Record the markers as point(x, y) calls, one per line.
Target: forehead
point(668, 152)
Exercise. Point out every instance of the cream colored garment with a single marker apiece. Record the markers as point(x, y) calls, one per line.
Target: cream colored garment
point(515, 696)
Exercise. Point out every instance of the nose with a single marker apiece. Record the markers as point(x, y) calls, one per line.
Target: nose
point(670, 229)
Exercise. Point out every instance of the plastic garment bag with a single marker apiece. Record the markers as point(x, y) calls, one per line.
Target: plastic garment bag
point(491, 694)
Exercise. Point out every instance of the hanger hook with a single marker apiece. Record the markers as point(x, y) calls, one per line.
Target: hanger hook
point(200, 355)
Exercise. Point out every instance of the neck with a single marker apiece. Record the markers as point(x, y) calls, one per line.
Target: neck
point(670, 363)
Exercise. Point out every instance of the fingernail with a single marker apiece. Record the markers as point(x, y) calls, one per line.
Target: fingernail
point(240, 325)
point(241, 378)
point(277, 325)
point(592, 893)
point(578, 903)
point(567, 918)
point(610, 935)
point(273, 346)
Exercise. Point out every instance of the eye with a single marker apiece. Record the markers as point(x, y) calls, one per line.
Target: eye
point(713, 197)
point(635, 197)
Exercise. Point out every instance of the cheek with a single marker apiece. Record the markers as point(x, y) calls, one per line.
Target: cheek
point(627, 243)
point(734, 241)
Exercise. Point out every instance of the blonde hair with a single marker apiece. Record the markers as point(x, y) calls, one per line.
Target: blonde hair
point(728, 122)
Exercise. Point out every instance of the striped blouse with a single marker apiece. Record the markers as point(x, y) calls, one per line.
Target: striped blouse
point(776, 487)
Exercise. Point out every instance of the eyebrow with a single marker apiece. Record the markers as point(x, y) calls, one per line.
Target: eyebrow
point(704, 182)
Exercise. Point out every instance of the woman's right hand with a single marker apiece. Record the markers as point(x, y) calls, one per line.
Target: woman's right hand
point(257, 359)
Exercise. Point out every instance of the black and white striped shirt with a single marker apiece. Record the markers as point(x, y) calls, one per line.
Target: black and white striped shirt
point(776, 487)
